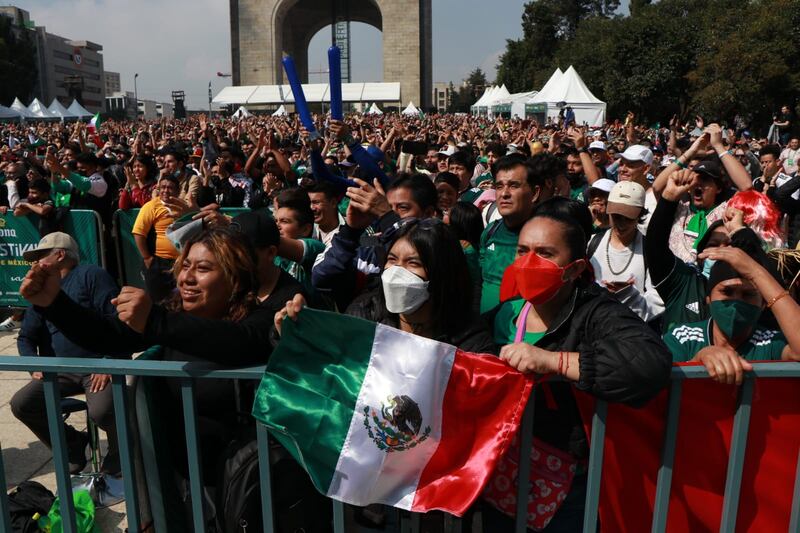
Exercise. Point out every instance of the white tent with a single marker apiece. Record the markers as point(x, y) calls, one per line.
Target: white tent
point(513, 106)
point(411, 109)
point(314, 92)
point(78, 110)
point(242, 112)
point(58, 110)
point(374, 110)
point(280, 112)
point(7, 113)
point(38, 110)
point(481, 107)
point(500, 94)
point(21, 109)
point(569, 89)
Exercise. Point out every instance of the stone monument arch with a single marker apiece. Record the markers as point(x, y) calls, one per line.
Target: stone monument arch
point(263, 30)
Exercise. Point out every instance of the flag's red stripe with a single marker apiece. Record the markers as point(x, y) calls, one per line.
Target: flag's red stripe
point(633, 451)
point(482, 410)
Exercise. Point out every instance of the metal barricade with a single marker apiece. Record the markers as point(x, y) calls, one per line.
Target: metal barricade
point(188, 373)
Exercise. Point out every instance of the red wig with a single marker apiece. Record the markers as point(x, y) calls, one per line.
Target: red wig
point(760, 215)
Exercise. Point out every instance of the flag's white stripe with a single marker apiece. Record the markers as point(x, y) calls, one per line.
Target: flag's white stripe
point(400, 364)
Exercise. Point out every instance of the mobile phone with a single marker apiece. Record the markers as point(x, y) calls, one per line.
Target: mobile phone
point(25, 154)
point(415, 147)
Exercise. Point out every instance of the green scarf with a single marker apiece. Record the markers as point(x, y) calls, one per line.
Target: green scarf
point(697, 225)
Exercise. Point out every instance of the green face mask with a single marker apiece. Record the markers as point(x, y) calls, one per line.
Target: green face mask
point(734, 316)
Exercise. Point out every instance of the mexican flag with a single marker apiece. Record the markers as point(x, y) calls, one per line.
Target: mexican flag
point(377, 415)
point(94, 124)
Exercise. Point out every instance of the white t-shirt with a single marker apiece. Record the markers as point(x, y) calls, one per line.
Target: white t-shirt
point(791, 163)
point(641, 297)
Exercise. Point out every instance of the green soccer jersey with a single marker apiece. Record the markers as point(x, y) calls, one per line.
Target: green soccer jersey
point(498, 249)
point(301, 271)
point(685, 340)
point(684, 295)
point(505, 324)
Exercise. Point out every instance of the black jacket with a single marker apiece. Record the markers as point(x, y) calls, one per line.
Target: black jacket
point(474, 337)
point(621, 360)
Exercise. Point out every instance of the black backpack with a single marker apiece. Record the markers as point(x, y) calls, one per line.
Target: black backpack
point(297, 505)
point(26, 500)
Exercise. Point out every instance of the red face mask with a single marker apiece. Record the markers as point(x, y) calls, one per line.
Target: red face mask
point(534, 278)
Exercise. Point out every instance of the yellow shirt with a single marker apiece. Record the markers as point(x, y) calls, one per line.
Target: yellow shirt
point(154, 215)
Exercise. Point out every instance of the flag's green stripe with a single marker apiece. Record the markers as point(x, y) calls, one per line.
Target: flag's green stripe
point(309, 390)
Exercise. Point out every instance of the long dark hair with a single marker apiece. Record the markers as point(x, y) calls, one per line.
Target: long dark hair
point(466, 223)
point(449, 286)
point(150, 164)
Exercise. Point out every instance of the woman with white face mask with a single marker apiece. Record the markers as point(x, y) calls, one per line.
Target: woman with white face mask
point(425, 289)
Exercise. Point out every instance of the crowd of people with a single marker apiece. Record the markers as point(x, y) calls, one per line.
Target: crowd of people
point(601, 254)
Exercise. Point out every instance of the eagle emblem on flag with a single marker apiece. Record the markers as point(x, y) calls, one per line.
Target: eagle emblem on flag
point(396, 427)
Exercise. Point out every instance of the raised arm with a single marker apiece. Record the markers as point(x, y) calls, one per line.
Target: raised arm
point(738, 174)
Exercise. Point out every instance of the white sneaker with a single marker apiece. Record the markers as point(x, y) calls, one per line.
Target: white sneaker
point(9, 325)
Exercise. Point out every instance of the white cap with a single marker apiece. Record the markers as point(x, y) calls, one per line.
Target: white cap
point(49, 242)
point(638, 152)
point(627, 199)
point(597, 145)
point(603, 184)
point(450, 150)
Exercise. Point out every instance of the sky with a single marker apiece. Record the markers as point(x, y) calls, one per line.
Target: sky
point(182, 44)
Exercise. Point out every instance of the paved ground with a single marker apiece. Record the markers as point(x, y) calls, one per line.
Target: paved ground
point(25, 457)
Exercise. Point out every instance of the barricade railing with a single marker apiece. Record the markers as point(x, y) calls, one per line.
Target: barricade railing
point(189, 373)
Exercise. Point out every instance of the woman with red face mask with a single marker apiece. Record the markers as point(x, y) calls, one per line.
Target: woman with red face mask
point(555, 320)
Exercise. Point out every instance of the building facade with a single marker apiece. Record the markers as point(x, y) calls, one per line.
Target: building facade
point(121, 105)
point(67, 69)
point(441, 96)
point(112, 82)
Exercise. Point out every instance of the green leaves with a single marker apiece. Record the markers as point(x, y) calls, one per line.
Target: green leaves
point(716, 58)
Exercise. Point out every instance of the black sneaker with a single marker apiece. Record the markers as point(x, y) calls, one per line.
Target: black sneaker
point(77, 454)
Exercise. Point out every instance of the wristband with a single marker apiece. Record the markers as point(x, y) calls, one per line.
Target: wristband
point(723, 154)
point(776, 299)
point(583, 150)
point(680, 165)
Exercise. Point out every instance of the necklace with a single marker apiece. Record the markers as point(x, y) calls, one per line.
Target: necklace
point(608, 257)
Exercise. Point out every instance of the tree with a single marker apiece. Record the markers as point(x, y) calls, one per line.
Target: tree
point(546, 24)
point(17, 63)
point(473, 88)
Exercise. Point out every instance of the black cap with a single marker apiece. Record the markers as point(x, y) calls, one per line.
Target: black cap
point(258, 227)
point(709, 167)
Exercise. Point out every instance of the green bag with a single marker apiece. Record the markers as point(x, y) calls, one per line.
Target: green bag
point(84, 515)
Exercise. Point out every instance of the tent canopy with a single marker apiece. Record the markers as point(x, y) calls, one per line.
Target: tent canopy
point(280, 112)
point(9, 113)
point(314, 92)
point(411, 109)
point(58, 110)
point(78, 110)
point(38, 110)
point(242, 112)
point(374, 110)
point(569, 88)
point(21, 108)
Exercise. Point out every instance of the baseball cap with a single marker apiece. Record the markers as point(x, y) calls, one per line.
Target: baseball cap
point(627, 199)
point(597, 145)
point(709, 167)
point(450, 150)
point(49, 242)
point(638, 152)
point(603, 184)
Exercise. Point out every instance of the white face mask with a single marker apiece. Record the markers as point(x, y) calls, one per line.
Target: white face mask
point(405, 292)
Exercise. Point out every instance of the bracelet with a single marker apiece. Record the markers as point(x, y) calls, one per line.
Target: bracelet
point(583, 150)
point(776, 299)
point(723, 154)
point(680, 165)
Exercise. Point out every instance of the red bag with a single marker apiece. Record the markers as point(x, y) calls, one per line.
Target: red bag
point(552, 472)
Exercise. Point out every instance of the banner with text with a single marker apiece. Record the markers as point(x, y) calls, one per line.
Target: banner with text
point(20, 234)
